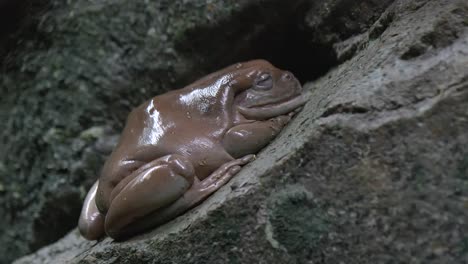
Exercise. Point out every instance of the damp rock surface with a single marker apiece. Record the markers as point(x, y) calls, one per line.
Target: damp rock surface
point(72, 70)
point(70, 73)
point(373, 170)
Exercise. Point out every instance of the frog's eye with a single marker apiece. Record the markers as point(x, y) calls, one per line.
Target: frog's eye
point(264, 82)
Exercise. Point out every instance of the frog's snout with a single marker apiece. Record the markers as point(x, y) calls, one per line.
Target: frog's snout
point(290, 81)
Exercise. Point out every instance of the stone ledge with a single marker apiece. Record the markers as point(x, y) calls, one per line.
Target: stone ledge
point(374, 168)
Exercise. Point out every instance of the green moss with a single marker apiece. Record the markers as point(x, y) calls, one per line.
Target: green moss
point(465, 245)
point(296, 221)
point(462, 170)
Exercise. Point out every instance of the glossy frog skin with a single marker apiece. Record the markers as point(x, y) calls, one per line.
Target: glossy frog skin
point(178, 148)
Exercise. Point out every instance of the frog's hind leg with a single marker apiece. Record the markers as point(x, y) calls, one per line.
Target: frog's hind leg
point(198, 192)
point(91, 223)
point(154, 186)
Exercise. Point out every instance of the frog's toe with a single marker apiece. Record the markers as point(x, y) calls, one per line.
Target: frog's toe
point(246, 159)
point(92, 230)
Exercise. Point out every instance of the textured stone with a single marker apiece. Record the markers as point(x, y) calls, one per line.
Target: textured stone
point(74, 67)
point(373, 170)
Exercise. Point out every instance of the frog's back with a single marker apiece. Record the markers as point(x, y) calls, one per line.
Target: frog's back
point(179, 122)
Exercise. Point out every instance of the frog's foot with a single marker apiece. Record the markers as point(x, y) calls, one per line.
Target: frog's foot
point(200, 190)
point(222, 175)
point(91, 223)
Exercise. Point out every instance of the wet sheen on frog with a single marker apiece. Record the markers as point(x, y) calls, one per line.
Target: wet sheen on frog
point(180, 147)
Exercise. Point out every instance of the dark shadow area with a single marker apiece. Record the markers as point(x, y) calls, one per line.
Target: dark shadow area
point(18, 17)
point(12, 13)
point(59, 213)
point(291, 50)
point(265, 32)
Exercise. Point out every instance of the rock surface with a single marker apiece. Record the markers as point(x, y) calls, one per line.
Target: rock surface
point(72, 70)
point(373, 170)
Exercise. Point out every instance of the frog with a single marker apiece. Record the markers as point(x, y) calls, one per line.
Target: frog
point(180, 147)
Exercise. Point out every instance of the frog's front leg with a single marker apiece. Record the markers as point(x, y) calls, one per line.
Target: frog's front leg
point(198, 192)
point(249, 138)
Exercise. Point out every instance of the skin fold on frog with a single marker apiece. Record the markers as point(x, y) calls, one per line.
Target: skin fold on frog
point(180, 147)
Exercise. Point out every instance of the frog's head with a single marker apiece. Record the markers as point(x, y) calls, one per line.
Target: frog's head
point(273, 92)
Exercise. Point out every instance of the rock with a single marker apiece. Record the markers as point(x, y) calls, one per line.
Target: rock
point(69, 67)
point(373, 170)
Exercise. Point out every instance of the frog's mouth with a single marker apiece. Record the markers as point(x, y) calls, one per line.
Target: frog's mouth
point(272, 110)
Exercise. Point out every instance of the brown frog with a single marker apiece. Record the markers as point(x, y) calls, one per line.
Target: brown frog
point(178, 148)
